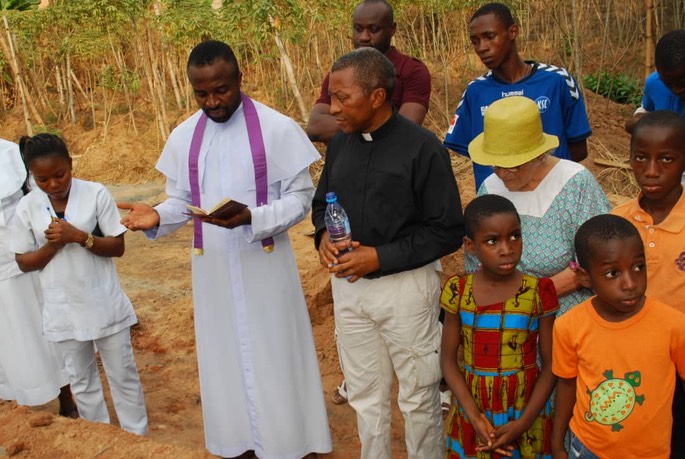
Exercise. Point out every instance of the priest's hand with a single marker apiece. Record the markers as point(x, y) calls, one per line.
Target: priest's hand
point(244, 217)
point(359, 262)
point(140, 217)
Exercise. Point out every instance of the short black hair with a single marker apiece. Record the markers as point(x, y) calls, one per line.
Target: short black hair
point(372, 69)
point(669, 53)
point(207, 52)
point(390, 14)
point(500, 10)
point(664, 119)
point(41, 146)
point(600, 230)
point(483, 207)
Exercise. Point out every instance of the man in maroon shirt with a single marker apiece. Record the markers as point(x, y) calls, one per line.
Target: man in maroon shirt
point(373, 25)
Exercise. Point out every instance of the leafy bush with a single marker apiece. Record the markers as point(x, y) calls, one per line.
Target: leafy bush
point(19, 5)
point(618, 87)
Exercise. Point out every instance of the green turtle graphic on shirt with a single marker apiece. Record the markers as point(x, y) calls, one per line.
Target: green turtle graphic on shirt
point(613, 400)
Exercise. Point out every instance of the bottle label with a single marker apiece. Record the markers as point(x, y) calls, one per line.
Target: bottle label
point(339, 232)
point(340, 236)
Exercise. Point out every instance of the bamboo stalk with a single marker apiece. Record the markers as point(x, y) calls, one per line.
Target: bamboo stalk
point(174, 81)
point(83, 92)
point(119, 59)
point(159, 88)
point(108, 112)
point(287, 64)
point(27, 101)
point(22, 83)
point(318, 57)
point(649, 39)
point(60, 88)
point(20, 93)
point(3, 98)
point(149, 79)
point(90, 97)
point(42, 97)
point(70, 90)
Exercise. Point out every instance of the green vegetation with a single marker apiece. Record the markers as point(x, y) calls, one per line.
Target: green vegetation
point(92, 61)
point(18, 5)
point(618, 87)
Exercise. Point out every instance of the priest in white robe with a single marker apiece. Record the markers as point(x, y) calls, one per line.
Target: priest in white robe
point(259, 375)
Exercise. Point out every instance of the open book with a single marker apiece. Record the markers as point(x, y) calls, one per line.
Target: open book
point(225, 209)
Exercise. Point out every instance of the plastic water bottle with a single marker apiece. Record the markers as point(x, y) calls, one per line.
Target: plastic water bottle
point(337, 224)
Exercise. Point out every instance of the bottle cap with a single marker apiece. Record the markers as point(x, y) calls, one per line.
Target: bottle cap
point(331, 197)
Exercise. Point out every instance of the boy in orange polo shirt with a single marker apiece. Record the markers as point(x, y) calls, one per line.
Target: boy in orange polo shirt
point(616, 354)
point(657, 156)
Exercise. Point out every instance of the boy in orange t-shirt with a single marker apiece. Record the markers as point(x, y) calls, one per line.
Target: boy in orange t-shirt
point(657, 156)
point(615, 354)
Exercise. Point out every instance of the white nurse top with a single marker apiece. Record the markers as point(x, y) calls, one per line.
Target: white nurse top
point(83, 297)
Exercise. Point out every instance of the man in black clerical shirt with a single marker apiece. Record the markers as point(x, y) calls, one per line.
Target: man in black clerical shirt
point(395, 182)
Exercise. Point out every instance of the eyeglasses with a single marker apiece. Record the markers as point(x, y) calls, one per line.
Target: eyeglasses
point(519, 167)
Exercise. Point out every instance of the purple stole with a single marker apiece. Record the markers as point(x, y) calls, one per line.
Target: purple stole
point(254, 134)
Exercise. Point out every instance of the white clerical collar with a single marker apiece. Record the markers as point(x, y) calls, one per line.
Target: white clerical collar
point(367, 136)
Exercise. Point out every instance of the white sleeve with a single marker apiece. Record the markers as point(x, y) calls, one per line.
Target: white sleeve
point(639, 110)
point(22, 238)
point(171, 212)
point(279, 215)
point(108, 218)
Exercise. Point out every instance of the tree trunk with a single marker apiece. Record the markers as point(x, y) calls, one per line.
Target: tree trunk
point(11, 57)
point(649, 38)
point(60, 89)
point(70, 91)
point(287, 64)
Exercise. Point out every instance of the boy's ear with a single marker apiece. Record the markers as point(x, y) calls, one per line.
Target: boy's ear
point(513, 31)
point(468, 246)
point(584, 277)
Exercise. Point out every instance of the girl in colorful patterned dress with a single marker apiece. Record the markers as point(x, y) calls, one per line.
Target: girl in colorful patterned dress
point(500, 316)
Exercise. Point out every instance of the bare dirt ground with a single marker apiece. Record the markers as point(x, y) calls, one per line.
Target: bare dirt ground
point(156, 276)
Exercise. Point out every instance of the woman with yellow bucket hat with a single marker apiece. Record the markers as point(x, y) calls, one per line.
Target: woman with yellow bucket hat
point(553, 196)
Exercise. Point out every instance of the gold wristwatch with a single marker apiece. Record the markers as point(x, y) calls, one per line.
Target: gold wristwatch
point(90, 240)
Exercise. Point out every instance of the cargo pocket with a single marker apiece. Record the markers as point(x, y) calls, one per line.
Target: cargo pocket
point(426, 364)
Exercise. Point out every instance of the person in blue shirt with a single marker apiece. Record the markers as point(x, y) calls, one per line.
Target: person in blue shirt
point(493, 33)
point(665, 88)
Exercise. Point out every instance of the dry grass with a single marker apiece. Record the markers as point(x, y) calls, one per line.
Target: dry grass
point(617, 176)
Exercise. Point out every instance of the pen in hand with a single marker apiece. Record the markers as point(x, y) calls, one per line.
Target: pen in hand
point(53, 215)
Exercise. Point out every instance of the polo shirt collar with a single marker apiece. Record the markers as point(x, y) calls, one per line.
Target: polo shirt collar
point(674, 223)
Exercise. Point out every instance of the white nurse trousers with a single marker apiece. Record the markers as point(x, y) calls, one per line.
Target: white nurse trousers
point(116, 354)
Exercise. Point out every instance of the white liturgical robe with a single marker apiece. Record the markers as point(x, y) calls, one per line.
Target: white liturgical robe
point(259, 374)
point(31, 369)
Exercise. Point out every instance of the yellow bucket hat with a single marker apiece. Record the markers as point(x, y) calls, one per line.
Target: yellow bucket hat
point(512, 134)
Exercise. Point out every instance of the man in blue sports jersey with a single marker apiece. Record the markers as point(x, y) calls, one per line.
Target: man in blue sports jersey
point(665, 88)
point(493, 33)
